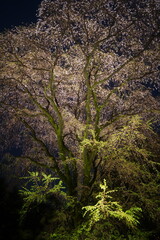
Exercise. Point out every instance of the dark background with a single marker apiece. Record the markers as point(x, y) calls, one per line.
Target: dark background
point(17, 12)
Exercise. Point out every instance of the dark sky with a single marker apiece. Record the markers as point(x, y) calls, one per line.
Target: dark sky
point(17, 12)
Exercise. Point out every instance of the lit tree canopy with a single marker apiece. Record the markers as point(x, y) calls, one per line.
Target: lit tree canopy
point(83, 82)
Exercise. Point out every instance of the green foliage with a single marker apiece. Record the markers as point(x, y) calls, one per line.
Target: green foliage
point(128, 141)
point(41, 187)
point(124, 142)
point(104, 220)
point(99, 224)
point(105, 208)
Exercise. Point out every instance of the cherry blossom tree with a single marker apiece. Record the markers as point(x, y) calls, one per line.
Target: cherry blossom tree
point(81, 86)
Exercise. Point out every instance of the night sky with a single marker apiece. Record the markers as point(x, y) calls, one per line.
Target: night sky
point(17, 12)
